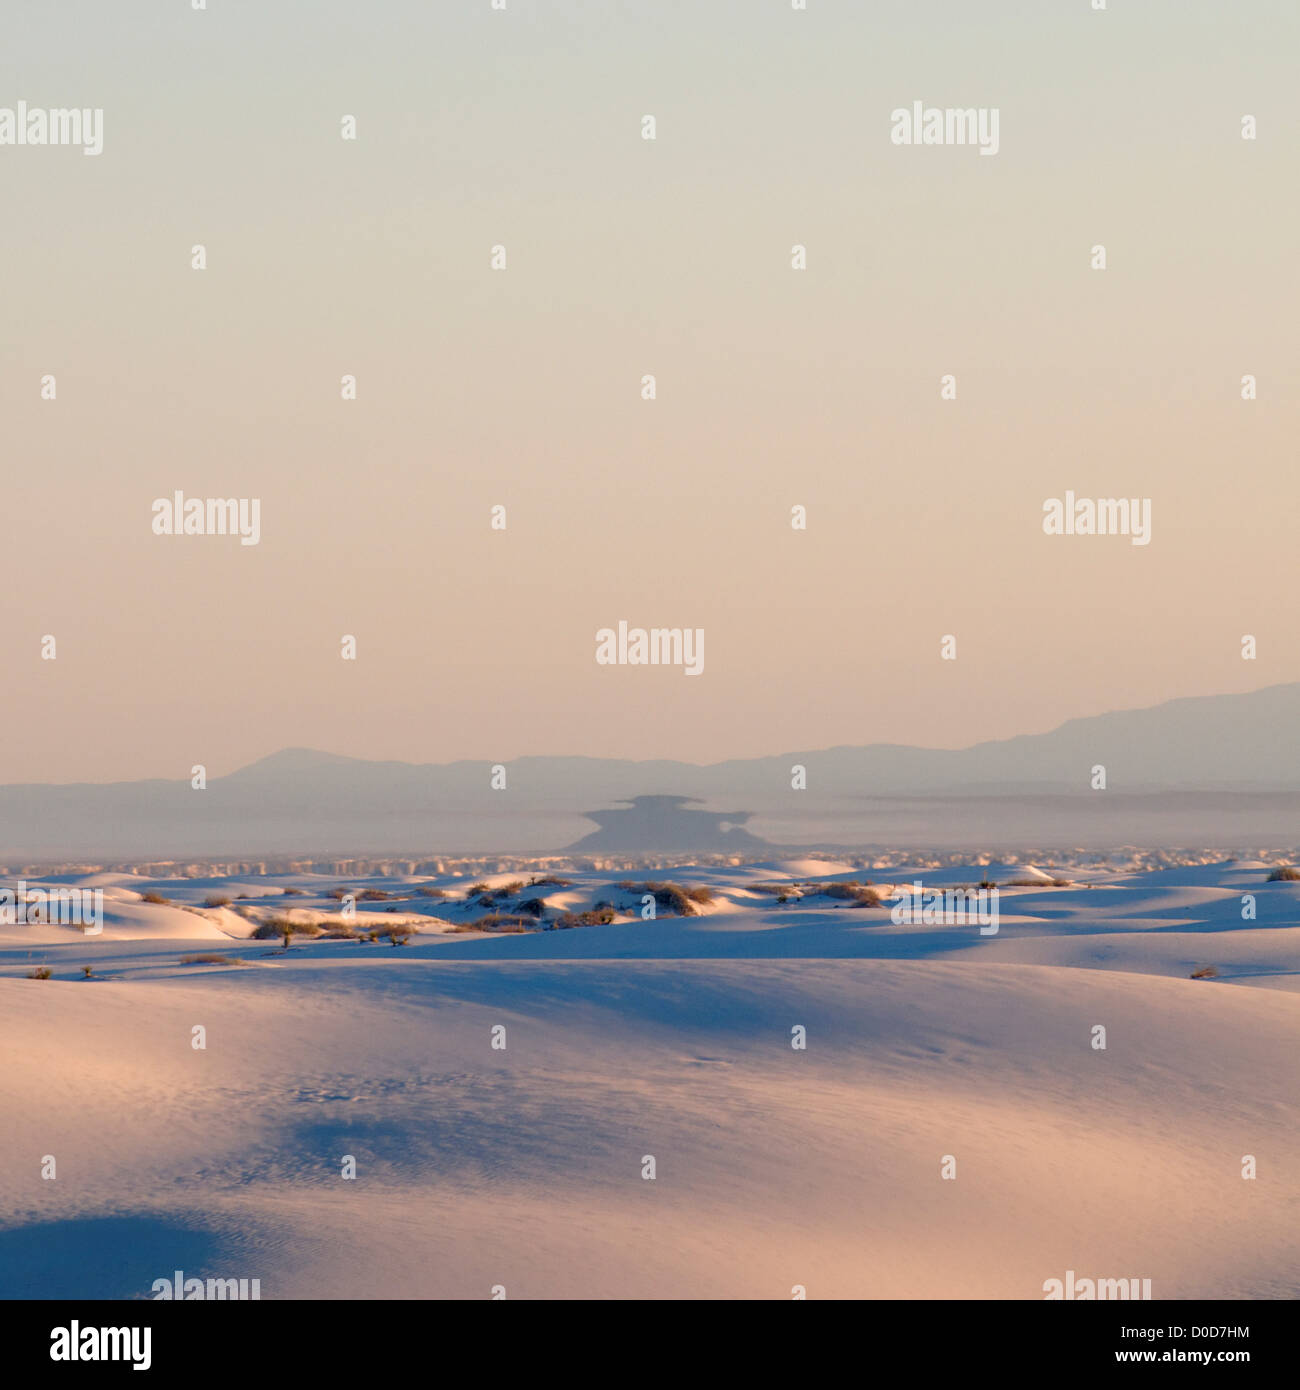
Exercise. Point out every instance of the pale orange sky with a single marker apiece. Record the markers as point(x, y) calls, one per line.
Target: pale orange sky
point(522, 388)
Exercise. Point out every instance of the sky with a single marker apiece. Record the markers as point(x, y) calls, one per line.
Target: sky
point(522, 387)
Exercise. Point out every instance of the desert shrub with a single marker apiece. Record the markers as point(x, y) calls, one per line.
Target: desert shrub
point(293, 892)
point(859, 894)
point(1027, 883)
point(593, 917)
point(475, 889)
point(508, 890)
point(700, 895)
point(373, 895)
point(1060, 883)
point(432, 892)
point(42, 972)
point(783, 897)
point(216, 900)
point(154, 898)
point(497, 922)
point(550, 881)
point(534, 907)
point(1285, 873)
point(667, 895)
point(773, 888)
point(283, 926)
point(338, 894)
point(1204, 972)
point(86, 971)
point(243, 897)
point(211, 958)
point(399, 936)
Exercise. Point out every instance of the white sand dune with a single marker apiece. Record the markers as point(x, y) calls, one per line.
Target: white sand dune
point(774, 1167)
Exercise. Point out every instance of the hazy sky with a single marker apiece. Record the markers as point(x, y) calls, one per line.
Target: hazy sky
point(625, 257)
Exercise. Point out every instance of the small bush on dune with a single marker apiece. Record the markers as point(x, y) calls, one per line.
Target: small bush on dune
point(338, 894)
point(534, 907)
point(86, 971)
point(670, 895)
point(1204, 972)
point(497, 922)
point(1286, 873)
point(475, 889)
point(432, 892)
point(859, 894)
point(294, 892)
point(42, 973)
point(599, 916)
point(216, 900)
point(550, 881)
point(156, 898)
point(373, 895)
point(282, 926)
point(211, 958)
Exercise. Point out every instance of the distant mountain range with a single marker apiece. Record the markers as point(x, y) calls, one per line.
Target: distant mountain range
point(1220, 769)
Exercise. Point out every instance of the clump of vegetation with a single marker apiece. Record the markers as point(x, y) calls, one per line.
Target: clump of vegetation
point(491, 897)
point(86, 971)
point(41, 973)
point(284, 927)
point(475, 889)
point(1204, 972)
point(399, 936)
point(600, 916)
point(1285, 873)
point(216, 900)
point(373, 895)
point(859, 894)
point(497, 922)
point(432, 892)
point(1061, 883)
point(670, 895)
point(550, 881)
point(294, 892)
point(155, 898)
point(533, 907)
point(777, 889)
point(211, 958)
point(338, 894)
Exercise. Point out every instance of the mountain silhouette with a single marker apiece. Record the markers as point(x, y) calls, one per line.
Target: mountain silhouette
point(662, 825)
